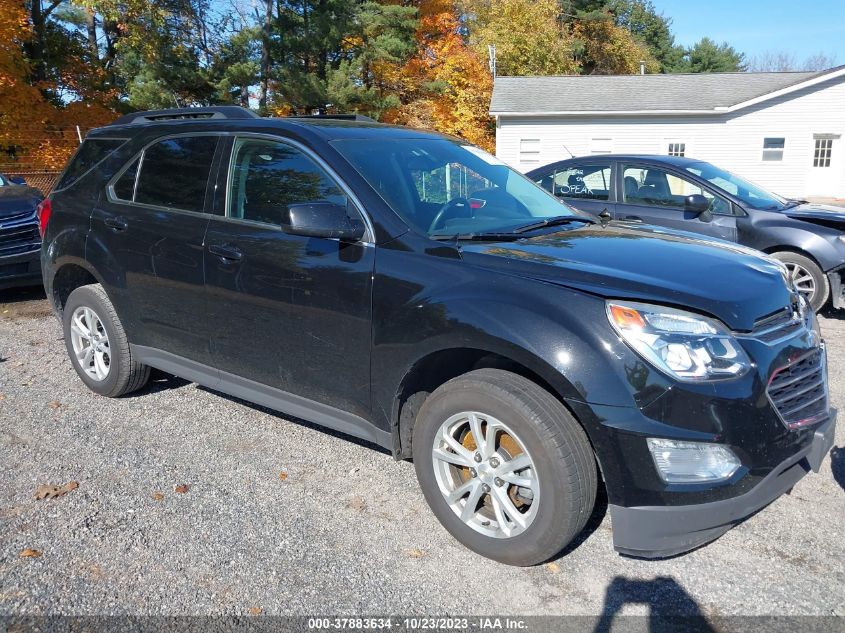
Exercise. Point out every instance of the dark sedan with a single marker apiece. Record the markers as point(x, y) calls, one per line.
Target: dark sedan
point(20, 241)
point(693, 195)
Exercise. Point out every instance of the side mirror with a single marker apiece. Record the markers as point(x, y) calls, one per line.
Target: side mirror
point(699, 205)
point(322, 219)
point(17, 180)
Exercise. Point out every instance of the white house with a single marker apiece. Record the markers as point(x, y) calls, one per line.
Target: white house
point(783, 131)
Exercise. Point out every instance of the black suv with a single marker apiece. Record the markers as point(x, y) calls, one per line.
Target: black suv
point(692, 195)
point(412, 290)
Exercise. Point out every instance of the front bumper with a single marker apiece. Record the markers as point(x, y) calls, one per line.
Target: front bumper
point(23, 269)
point(661, 531)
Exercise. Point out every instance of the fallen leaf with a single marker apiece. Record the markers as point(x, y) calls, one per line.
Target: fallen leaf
point(2, 396)
point(255, 611)
point(182, 488)
point(357, 503)
point(553, 567)
point(48, 491)
point(30, 553)
point(283, 475)
point(415, 553)
point(158, 495)
point(55, 404)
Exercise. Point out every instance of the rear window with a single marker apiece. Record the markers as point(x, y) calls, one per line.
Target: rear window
point(174, 173)
point(91, 152)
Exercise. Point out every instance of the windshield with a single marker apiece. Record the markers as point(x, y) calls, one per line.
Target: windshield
point(752, 195)
point(444, 188)
point(3, 181)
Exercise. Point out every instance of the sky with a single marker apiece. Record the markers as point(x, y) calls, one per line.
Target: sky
point(802, 28)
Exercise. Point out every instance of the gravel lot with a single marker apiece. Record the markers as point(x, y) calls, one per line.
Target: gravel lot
point(344, 529)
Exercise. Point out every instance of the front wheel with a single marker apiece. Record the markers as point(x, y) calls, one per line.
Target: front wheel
point(504, 466)
point(808, 278)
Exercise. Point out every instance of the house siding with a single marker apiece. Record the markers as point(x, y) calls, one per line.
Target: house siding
point(733, 141)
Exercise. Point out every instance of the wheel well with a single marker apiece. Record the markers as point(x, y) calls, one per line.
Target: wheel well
point(67, 279)
point(436, 369)
point(793, 249)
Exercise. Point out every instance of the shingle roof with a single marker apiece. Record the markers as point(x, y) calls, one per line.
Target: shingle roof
point(627, 93)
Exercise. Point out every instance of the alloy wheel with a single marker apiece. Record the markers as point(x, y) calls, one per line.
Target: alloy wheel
point(803, 279)
point(485, 474)
point(90, 343)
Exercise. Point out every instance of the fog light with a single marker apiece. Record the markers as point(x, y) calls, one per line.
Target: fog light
point(692, 462)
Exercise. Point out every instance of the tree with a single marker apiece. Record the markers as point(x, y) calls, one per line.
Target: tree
point(706, 56)
point(608, 49)
point(654, 29)
point(781, 61)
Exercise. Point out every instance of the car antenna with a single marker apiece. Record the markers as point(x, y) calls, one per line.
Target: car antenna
point(571, 155)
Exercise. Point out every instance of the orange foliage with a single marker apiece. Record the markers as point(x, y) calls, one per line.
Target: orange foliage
point(34, 133)
point(445, 86)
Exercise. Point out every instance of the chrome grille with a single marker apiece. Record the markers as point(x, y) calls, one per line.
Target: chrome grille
point(799, 390)
point(776, 326)
point(17, 216)
point(19, 239)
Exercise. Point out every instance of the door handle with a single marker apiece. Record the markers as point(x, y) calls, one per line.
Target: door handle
point(116, 224)
point(227, 254)
point(633, 218)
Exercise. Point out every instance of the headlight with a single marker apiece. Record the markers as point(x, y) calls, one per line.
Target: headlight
point(686, 346)
point(692, 462)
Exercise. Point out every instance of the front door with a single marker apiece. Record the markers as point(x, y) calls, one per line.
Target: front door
point(656, 196)
point(287, 311)
point(825, 177)
point(153, 224)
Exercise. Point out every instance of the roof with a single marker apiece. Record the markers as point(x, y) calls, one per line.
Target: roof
point(697, 93)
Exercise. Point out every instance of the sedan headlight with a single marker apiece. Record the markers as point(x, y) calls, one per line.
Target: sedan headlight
point(687, 346)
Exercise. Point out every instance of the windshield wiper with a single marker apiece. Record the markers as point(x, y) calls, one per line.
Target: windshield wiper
point(478, 237)
point(555, 221)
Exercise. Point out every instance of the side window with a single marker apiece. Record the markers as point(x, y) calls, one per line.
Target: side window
point(91, 152)
point(267, 176)
point(591, 182)
point(124, 188)
point(655, 187)
point(174, 173)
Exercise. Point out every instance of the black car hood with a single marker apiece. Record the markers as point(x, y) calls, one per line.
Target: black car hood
point(733, 283)
point(823, 214)
point(16, 198)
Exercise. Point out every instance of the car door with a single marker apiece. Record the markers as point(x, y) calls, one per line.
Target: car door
point(287, 311)
point(152, 222)
point(586, 185)
point(656, 195)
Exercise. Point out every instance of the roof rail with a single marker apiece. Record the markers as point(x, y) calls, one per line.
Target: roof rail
point(173, 114)
point(339, 117)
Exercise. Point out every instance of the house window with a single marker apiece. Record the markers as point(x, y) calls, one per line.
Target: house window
point(773, 148)
point(601, 146)
point(529, 151)
point(824, 148)
point(677, 149)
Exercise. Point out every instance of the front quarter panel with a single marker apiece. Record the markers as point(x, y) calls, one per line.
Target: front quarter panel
point(772, 232)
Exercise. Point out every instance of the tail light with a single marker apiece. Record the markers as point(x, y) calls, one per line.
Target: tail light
point(45, 208)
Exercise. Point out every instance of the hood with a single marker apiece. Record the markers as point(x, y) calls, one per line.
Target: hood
point(735, 284)
point(16, 199)
point(822, 214)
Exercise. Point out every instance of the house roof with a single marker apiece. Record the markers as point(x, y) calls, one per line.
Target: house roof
point(697, 93)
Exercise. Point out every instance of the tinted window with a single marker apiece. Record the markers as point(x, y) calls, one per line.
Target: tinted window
point(590, 182)
point(267, 176)
point(174, 173)
point(124, 188)
point(658, 188)
point(91, 152)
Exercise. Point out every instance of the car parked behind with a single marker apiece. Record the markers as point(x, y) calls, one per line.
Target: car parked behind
point(20, 240)
point(693, 195)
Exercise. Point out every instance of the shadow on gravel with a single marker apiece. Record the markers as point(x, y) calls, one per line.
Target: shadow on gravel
point(670, 607)
point(830, 312)
point(27, 293)
point(301, 422)
point(837, 465)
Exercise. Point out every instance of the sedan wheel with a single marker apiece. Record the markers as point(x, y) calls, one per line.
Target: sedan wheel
point(808, 278)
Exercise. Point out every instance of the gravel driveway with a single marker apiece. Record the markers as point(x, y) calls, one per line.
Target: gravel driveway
point(278, 517)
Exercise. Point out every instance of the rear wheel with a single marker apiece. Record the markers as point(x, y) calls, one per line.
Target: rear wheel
point(808, 278)
point(504, 466)
point(97, 344)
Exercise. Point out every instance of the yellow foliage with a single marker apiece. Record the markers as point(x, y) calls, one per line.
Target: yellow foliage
point(612, 49)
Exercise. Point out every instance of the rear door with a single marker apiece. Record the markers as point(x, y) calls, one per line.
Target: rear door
point(655, 195)
point(586, 185)
point(287, 311)
point(152, 221)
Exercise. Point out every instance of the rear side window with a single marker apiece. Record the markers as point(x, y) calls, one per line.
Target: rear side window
point(174, 173)
point(124, 188)
point(91, 152)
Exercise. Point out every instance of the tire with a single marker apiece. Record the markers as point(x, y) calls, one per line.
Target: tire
point(123, 374)
point(562, 475)
point(804, 268)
